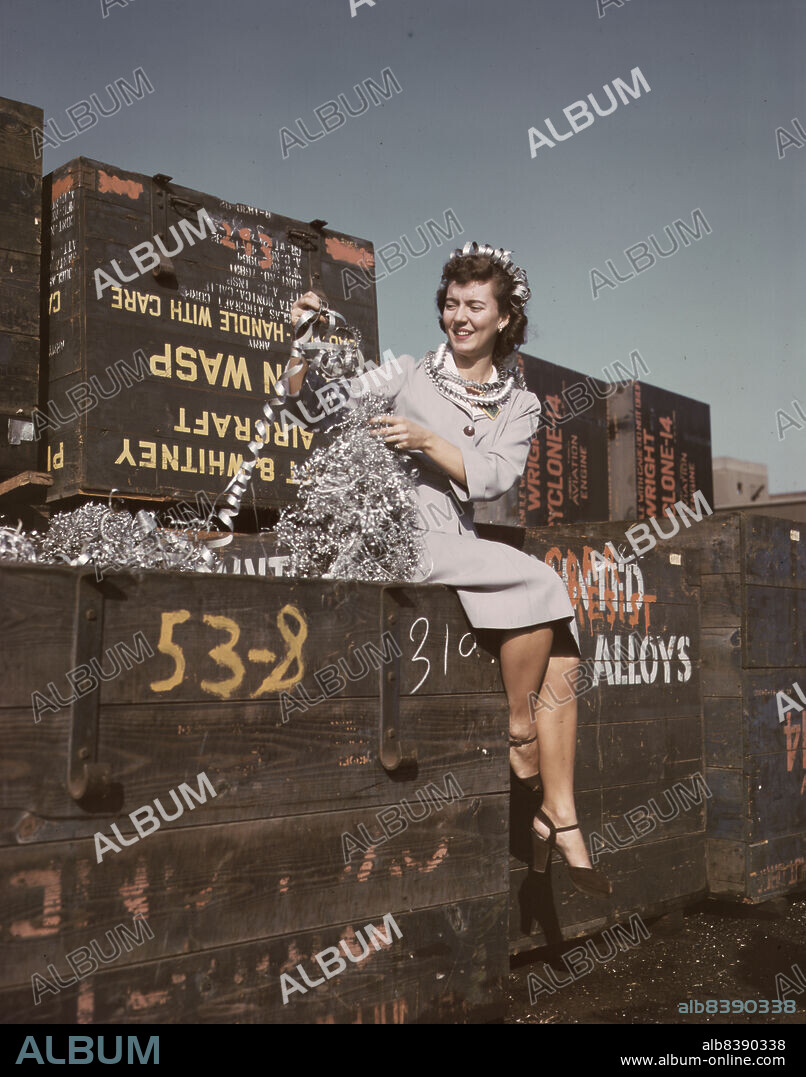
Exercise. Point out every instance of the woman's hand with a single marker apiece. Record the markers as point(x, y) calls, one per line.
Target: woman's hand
point(401, 433)
point(308, 301)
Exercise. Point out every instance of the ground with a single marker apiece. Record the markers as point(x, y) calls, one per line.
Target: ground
point(714, 950)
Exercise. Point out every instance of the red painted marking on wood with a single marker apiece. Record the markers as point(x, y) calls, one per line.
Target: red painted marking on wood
point(438, 857)
point(343, 251)
point(348, 936)
point(83, 889)
point(263, 964)
point(795, 734)
point(114, 184)
point(284, 884)
point(431, 864)
point(207, 893)
point(138, 1001)
point(178, 977)
point(398, 1013)
point(593, 605)
point(134, 894)
point(294, 958)
point(60, 186)
point(51, 884)
point(795, 868)
point(367, 865)
point(85, 1008)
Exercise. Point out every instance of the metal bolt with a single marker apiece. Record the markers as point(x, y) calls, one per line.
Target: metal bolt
point(83, 753)
point(91, 615)
point(391, 676)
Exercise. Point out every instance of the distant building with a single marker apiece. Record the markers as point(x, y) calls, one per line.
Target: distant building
point(742, 485)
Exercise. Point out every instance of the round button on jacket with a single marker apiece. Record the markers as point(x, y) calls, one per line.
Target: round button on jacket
point(470, 431)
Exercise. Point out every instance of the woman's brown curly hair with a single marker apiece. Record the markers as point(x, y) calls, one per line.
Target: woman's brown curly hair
point(470, 267)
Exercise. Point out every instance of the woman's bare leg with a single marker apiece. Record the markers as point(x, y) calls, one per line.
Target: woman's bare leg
point(534, 684)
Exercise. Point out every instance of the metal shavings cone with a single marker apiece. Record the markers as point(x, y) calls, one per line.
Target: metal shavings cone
point(356, 517)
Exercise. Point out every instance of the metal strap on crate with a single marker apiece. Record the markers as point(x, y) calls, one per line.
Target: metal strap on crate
point(392, 752)
point(87, 779)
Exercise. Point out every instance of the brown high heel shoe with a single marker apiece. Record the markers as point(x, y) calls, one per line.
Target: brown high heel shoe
point(588, 880)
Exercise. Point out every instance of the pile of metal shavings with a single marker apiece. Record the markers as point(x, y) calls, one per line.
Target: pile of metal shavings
point(355, 517)
point(108, 539)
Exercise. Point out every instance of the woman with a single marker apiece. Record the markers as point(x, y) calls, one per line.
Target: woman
point(466, 417)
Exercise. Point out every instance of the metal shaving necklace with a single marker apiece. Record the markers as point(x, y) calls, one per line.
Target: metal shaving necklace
point(490, 396)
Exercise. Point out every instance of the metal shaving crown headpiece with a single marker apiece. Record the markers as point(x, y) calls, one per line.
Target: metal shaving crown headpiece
point(501, 258)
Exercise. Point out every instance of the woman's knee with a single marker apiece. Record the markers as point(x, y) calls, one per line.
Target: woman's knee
point(521, 722)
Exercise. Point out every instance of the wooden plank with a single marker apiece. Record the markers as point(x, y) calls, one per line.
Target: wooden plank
point(728, 807)
point(763, 731)
point(714, 544)
point(721, 600)
point(19, 292)
point(777, 788)
point(660, 745)
point(721, 662)
point(210, 886)
point(773, 557)
point(723, 731)
point(651, 801)
point(332, 621)
point(725, 862)
point(27, 478)
point(568, 549)
point(19, 372)
point(21, 210)
point(449, 966)
point(17, 121)
point(776, 627)
point(16, 455)
point(775, 867)
point(267, 769)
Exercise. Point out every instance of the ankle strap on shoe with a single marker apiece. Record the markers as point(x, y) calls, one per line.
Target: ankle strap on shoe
point(517, 742)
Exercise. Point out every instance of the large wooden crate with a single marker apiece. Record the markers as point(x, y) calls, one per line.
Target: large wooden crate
point(253, 881)
point(659, 452)
point(605, 451)
point(753, 581)
point(20, 255)
point(214, 327)
point(640, 736)
point(565, 478)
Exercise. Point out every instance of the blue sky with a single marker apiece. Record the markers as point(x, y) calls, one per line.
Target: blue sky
point(722, 320)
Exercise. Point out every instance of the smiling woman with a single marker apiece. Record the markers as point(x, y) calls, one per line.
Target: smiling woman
point(465, 417)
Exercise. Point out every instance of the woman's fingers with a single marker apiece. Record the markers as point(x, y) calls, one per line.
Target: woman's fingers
point(308, 301)
point(389, 427)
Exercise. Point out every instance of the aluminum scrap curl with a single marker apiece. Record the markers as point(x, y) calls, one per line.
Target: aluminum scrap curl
point(109, 539)
point(356, 515)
